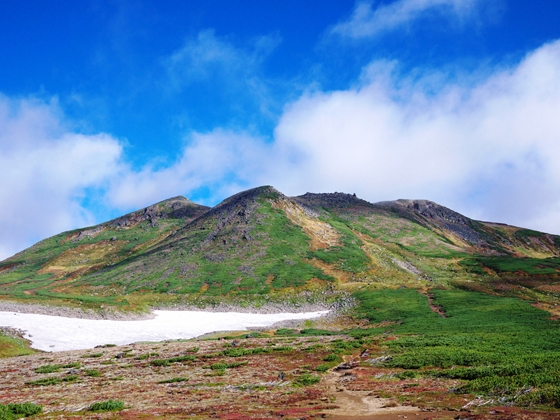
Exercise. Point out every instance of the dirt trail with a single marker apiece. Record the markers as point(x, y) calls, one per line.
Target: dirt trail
point(435, 308)
point(360, 403)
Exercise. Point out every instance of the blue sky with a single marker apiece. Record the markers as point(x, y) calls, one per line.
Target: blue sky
point(109, 106)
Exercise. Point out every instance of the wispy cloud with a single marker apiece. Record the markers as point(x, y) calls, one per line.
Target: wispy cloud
point(225, 70)
point(369, 21)
point(222, 161)
point(207, 55)
point(46, 170)
point(486, 145)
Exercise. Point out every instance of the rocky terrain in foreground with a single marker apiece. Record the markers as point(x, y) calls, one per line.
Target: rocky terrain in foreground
point(243, 375)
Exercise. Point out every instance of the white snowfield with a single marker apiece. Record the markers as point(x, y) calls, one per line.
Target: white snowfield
point(56, 333)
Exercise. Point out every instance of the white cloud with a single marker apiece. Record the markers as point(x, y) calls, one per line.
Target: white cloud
point(222, 161)
point(490, 149)
point(368, 22)
point(46, 170)
point(197, 58)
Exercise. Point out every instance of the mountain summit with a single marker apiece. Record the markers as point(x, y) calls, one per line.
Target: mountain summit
point(259, 244)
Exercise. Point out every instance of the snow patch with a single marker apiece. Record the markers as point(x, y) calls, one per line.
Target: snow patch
point(56, 333)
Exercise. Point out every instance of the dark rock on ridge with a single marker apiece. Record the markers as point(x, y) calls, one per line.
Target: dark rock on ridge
point(426, 211)
point(331, 200)
point(176, 208)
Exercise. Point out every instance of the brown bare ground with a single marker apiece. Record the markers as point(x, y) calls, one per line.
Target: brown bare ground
point(435, 308)
point(331, 270)
point(82, 257)
point(360, 403)
point(321, 234)
point(550, 308)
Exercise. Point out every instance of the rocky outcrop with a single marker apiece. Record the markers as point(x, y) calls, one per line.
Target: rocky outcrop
point(174, 208)
point(331, 200)
point(440, 217)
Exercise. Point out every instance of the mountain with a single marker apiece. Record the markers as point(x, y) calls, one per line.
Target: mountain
point(260, 244)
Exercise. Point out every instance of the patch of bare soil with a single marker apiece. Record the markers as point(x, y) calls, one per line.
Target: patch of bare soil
point(360, 403)
point(321, 234)
point(435, 308)
point(553, 309)
point(82, 257)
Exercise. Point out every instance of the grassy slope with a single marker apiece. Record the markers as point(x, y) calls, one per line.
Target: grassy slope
point(252, 247)
point(408, 248)
point(44, 271)
point(248, 248)
point(499, 346)
point(14, 346)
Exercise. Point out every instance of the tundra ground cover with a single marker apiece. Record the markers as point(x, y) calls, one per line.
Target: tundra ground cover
point(487, 350)
point(500, 347)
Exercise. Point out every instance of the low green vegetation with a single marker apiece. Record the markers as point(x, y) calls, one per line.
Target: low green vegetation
point(306, 379)
point(331, 358)
point(53, 380)
point(533, 266)
point(56, 368)
point(92, 372)
point(13, 345)
point(501, 347)
point(322, 368)
point(173, 380)
point(223, 366)
point(15, 411)
point(92, 355)
point(109, 405)
point(178, 359)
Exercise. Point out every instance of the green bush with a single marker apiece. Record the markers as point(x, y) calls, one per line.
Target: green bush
point(160, 362)
point(282, 348)
point(48, 369)
point(14, 411)
point(92, 372)
point(307, 379)
point(173, 380)
point(76, 365)
point(25, 409)
point(178, 359)
point(93, 355)
point(6, 413)
point(109, 405)
point(330, 357)
point(223, 366)
point(44, 382)
point(408, 374)
point(218, 366)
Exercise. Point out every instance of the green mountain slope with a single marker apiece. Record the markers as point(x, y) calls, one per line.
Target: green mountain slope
point(38, 272)
point(260, 245)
